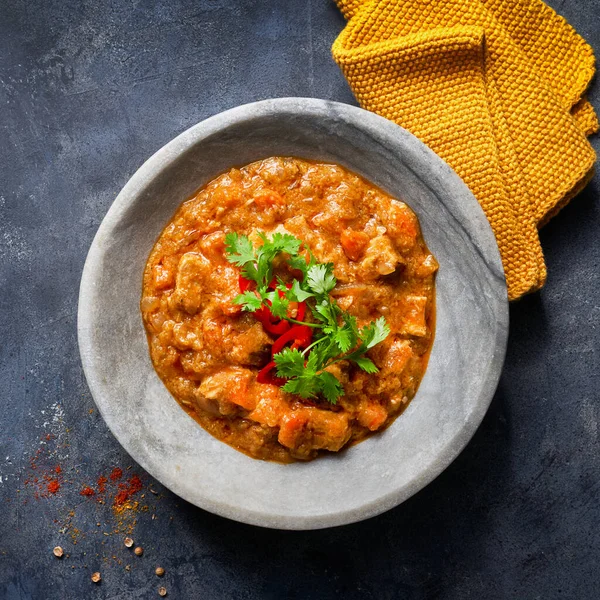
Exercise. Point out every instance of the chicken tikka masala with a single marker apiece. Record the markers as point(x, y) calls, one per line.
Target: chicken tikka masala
point(289, 308)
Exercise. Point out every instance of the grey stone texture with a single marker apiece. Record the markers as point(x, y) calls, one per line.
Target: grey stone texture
point(88, 91)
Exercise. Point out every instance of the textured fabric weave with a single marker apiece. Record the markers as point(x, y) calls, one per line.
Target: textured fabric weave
point(495, 87)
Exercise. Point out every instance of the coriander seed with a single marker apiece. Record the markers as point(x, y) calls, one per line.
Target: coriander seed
point(159, 571)
point(128, 542)
point(58, 552)
point(96, 577)
point(139, 551)
point(162, 591)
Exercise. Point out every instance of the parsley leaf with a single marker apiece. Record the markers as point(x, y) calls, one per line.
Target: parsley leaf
point(249, 300)
point(278, 305)
point(249, 271)
point(343, 339)
point(239, 249)
point(330, 386)
point(374, 333)
point(303, 386)
point(290, 363)
point(284, 242)
point(320, 278)
point(297, 294)
point(366, 364)
point(299, 263)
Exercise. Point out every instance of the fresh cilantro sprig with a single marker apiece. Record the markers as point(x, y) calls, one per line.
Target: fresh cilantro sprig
point(346, 343)
point(337, 336)
point(306, 377)
point(257, 263)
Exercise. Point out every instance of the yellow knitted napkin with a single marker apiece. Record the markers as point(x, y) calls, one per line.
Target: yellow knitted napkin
point(495, 87)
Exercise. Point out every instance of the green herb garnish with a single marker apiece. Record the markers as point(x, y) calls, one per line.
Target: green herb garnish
point(336, 335)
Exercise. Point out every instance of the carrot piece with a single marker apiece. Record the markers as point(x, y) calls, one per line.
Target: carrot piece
point(268, 198)
point(354, 243)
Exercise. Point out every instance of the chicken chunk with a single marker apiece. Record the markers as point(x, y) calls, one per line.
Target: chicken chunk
point(397, 356)
point(200, 282)
point(414, 321)
point(371, 414)
point(391, 355)
point(401, 224)
point(308, 429)
point(190, 283)
point(271, 406)
point(381, 258)
point(426, 267)
point(276, 170)
point(241, 341)
point(225, 393)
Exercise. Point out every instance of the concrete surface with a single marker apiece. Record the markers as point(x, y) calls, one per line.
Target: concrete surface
point(88, 91)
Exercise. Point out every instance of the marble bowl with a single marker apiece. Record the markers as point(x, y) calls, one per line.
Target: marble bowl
point(373, 476)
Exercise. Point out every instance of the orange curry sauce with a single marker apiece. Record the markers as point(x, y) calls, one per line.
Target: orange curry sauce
point(208, 352)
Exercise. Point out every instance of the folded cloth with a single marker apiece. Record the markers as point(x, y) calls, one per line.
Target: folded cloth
point(496, 88)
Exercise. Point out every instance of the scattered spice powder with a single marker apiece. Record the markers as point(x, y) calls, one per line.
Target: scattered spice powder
point(125, 516)
point(44, 480)
point(115, 487)
point(116, 474)
point(67, 527)
point(127, 490)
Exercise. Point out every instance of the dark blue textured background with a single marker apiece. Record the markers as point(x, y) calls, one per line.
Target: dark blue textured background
point(89, 90)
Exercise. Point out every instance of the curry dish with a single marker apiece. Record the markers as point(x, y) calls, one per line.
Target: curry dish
point(211, 354)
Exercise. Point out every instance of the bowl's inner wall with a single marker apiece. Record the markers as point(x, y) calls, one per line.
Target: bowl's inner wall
point(168, 443)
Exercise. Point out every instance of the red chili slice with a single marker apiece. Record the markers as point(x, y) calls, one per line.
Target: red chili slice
point(265, 316)
point(245, 284)
point(301, 311)
point(266, 375)
point(299, 334)
point(277, 328)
